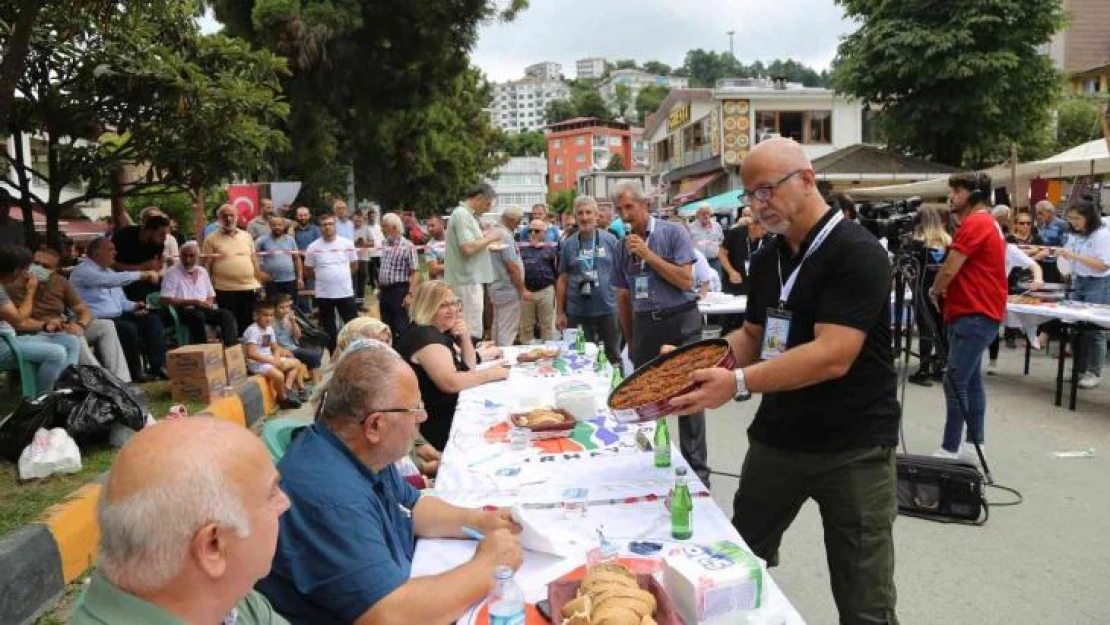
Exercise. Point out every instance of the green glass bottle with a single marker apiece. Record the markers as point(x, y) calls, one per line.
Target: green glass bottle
point(682, 507)
point(601, 362)
point(580, 343)
point(617, 377)
point(662, 444)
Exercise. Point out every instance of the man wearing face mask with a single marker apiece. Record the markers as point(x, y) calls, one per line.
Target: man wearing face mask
point(56, 301)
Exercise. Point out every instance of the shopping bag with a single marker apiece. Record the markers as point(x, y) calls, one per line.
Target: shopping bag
point(50, 452)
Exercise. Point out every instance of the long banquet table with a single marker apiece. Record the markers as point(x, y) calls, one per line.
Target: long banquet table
point(625, 489)
point(1075, 317)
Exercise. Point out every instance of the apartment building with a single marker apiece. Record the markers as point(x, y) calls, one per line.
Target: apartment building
point(592, 68)
point(635, 80)
point(520, 105)
point(581, 145)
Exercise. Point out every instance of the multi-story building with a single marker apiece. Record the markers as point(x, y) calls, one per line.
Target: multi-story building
point(592, 68)
point(1091, 81)
point(544, 71)
point(641, 151)
point(521, 182)
point(1085, 42)
point(520, 105)
point(583, 144)
point(699, 137)
point(635, 80)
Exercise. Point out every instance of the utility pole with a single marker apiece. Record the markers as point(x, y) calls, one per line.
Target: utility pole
point(731, 51)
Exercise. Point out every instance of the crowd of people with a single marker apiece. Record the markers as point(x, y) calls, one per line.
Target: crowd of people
point(329, 535)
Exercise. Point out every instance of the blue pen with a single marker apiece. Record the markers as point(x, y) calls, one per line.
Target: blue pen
point(470, 532)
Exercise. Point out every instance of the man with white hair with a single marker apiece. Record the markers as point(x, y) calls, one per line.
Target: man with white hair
point(707, 235)
point(229, 257)
point(345, 550)
point(398, 275)
point(188, 523)
point(507, 291)
point(187, 287)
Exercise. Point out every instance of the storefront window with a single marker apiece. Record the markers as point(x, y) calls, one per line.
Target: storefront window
point(806, 127)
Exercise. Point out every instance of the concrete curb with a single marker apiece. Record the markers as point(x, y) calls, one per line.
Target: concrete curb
point(40, 558)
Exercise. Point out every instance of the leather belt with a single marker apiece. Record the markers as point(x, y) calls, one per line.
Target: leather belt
point(667, 313)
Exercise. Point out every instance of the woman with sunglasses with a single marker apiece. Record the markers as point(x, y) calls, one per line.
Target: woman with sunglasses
point(440, 350)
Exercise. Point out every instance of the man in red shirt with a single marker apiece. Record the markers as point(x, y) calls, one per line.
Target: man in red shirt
point(972, 283)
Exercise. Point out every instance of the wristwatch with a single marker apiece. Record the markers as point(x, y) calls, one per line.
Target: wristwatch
point(742, 392)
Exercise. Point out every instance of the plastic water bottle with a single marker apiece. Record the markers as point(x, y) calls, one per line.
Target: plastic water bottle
point(662, 444)
point(506, 600)
point(682, 507)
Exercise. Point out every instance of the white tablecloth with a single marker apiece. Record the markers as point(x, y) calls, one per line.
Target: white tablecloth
point(475, 472)
point(1029, 316)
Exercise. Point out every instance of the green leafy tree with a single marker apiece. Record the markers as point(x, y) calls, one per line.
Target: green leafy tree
point(527, 143)
point(622, 100)
point(591, 104)
point(625, 64)
point(560, 110)
point(137, 89)
point(1077, 121)
point(957, 82)
point(359, 64)
point(705, 67)
point(616, 163)
point(561, 201)
point(655, 67)
point(649, 100)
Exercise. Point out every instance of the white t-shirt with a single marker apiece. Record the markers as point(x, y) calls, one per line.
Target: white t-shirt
point(1097, 245)
point(170, 254)
point(704, 273)
point(332, 264)
point(1016, 258)
point(262, 340)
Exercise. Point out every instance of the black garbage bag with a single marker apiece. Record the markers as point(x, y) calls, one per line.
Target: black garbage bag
point(17, 430)
point(99, 399)
point(311, 336)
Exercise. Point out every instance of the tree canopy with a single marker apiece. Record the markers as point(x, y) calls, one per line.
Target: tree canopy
point(705, 67)
point(362, 69)
point(957, 82)
point(526, 143)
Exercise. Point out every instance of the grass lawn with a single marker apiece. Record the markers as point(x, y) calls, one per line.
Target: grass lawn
point(22, 502)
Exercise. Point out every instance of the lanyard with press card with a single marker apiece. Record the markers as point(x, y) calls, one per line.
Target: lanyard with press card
point(776, 333)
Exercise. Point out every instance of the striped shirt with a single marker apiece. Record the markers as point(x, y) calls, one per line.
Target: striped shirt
point(398, 261)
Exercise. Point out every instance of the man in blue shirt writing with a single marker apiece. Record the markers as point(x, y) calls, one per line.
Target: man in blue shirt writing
point(346, 545)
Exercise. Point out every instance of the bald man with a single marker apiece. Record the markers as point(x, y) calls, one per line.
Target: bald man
point(188, 523)
point(816, 343)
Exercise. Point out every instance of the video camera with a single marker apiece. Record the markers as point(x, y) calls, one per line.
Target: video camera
point(893, 220)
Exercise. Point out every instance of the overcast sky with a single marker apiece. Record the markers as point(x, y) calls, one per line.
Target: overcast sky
point(663, 30)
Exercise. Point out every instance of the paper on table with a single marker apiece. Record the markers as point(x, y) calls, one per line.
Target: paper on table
point(554, 539)
point(500, 362)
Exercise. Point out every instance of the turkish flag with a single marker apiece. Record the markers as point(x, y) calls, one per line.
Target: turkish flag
point(244, 197)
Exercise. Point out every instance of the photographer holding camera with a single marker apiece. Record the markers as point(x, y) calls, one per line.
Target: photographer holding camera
point(972, 284)
point(584, 295)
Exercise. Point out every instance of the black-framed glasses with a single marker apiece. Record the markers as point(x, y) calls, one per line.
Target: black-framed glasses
point(766, 192)
point(535, 231)
point(419, 412)
point(1025, 223)
point(451, 303)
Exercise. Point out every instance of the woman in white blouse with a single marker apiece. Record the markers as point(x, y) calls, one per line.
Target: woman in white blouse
point(1087, 252)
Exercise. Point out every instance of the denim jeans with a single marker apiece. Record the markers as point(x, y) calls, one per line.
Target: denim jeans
point(50, 353)
point(968, 338)
point(1093, 290)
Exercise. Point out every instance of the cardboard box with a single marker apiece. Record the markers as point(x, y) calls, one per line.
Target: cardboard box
point(200, 388)
point(195, 361)
point(235, 359)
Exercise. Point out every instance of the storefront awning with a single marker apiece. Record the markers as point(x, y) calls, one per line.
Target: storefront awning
point(724, 203)
point(689, 188)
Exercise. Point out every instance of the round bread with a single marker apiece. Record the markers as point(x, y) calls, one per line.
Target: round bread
point(625, 595)
point(609, 567)
point(647, 620)
point(615, 615)
point(580, 605)
point(605, 577)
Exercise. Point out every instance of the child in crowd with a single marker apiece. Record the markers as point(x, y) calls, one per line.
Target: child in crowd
point(265, 356)
point(289, 333)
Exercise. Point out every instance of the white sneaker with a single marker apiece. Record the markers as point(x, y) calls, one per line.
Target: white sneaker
point(944, 453)
point(992, 367)
point(967, 453)
point(1089, 380)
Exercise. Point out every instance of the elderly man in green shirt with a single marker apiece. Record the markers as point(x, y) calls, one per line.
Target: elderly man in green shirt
point(467, 262)
point(188, 523)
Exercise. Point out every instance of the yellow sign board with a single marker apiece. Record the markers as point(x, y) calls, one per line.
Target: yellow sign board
point(680, 114)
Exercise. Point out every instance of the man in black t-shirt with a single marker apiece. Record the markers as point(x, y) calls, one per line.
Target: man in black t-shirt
point(737, 250)
point(816, 343)
point(139, 248)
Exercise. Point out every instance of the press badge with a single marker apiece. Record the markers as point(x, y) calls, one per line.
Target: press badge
point(776, 332)
point(748, 267)
point(590, 275)
point(641, 287)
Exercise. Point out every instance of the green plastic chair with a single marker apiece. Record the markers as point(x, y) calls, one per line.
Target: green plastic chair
point(277, 435)
point(154, 302)
point(25, 369)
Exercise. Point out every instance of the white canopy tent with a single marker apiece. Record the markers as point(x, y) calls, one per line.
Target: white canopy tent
point(1091, 158)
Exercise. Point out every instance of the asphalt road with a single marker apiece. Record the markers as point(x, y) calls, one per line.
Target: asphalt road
point(1045, 561)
